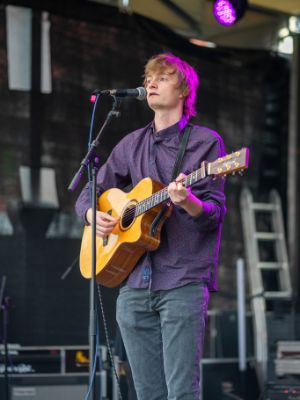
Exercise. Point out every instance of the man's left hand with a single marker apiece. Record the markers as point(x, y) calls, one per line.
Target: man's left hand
point(178, 193)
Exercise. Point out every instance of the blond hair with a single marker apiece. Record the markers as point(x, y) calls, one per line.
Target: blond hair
point(187, 76)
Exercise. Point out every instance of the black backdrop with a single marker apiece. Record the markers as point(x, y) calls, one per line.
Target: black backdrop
point(243, 95)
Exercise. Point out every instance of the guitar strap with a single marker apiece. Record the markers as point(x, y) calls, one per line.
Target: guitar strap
point(175, 173)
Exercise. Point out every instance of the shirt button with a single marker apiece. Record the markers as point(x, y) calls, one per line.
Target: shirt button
point(146, 274)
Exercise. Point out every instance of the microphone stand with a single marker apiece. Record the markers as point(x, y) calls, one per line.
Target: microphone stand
point(92, 160)
point(69, 269)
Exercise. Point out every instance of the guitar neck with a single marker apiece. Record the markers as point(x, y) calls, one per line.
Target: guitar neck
point(223, 166)
point(163, 195)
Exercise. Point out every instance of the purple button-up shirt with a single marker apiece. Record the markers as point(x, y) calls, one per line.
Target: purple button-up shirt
point(189, 246)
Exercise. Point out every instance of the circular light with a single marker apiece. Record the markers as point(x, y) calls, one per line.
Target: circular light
point(228, 12)
point(224, 12)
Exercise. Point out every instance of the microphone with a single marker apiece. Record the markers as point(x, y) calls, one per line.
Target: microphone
point(139, 93)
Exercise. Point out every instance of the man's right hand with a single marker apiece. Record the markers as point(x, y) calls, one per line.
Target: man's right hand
point(105, 223)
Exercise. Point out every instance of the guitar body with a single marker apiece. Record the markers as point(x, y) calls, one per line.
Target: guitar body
point(118, 253)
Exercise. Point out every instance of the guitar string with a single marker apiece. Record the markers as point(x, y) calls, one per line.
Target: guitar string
point(130, 212)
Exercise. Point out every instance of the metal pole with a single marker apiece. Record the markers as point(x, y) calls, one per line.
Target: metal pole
point(241, 314)
point(241, 324)
point(293, 166)
point(93, 312)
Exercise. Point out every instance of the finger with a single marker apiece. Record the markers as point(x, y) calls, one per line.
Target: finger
point(106, 216)
point(172, 187)
point(180, 177)
point(99, 233)
point(171, 194)
point(106, 222)
point(103, 232)
point(105, 228)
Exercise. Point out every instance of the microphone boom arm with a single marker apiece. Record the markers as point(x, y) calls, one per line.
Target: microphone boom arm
point(91, 156)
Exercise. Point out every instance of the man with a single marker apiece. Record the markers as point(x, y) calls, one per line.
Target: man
point(161, 309)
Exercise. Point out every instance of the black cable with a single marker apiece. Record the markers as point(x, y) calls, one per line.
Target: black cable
point(262, 395)
point(108, 342)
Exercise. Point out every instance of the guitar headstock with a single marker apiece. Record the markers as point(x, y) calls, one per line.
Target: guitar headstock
point(229, 164)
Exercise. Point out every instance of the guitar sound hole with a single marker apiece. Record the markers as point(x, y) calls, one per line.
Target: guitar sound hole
point(128, 217)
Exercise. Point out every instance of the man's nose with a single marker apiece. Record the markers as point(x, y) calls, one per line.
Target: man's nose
point(153, 83)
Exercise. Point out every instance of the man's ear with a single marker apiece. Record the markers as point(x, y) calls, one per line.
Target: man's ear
point(184, 93)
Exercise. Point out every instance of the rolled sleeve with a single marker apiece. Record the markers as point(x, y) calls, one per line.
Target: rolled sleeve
point(211, 217)
point(83, 203)
point(211, 192)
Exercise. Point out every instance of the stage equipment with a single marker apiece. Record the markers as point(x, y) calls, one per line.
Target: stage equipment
point(52, 372)
point(91, 163)
point(285, 390)
point(64, 360)
point(4, 307)
point(139, 93)
point(268, 267)
point(270, 285)
point(228, 12)
point(220, 379)
point(288, 359)
point(241, 312)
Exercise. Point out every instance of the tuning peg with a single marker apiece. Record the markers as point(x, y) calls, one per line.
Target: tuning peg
point(233, 173)
point(241, 172)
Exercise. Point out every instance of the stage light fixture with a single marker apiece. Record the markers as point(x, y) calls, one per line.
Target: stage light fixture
point(228, 12)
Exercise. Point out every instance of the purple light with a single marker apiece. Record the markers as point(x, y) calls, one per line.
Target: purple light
point(224, 12)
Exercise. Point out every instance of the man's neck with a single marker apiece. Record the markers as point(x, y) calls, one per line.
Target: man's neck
point(164, 120)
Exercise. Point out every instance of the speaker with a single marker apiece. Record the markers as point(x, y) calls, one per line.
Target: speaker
point(61, 392)
point(283, 390)
point(221, 378)
point(221, 337)
point(46, 387)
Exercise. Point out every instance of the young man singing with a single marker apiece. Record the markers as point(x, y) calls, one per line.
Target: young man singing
point(162, 307)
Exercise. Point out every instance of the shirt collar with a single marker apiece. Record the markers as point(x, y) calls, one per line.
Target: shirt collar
point(173, 130)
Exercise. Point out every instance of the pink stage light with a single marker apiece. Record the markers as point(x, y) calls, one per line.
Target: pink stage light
point(228, 12)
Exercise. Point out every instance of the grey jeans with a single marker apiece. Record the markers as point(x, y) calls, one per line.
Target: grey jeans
point(163, 333)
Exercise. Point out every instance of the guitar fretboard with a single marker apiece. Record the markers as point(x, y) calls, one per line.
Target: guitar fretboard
point(163, 195)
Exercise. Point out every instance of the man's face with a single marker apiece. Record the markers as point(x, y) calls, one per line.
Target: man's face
point(163, 91)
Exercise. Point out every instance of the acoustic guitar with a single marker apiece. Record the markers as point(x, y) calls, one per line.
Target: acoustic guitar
point(118, 253)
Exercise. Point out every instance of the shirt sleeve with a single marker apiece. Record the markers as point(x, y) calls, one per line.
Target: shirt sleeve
point(211, 191)
point(114, 173)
